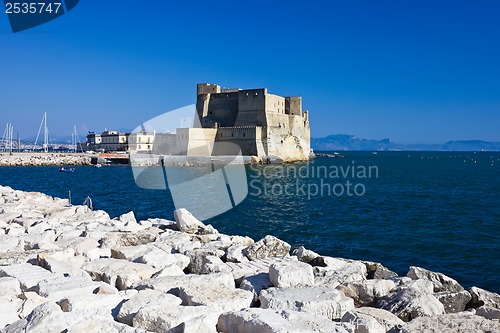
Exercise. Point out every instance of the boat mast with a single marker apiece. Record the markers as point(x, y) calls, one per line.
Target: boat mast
point(45, 134)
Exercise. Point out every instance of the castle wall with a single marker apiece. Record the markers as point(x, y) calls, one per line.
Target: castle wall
point(251, 106)
point(195, 141)
point(293, 105)
point(218, 108)
point(248, 140)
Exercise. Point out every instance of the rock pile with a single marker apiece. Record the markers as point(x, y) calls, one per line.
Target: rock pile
point(70, 269)
point(43, 159)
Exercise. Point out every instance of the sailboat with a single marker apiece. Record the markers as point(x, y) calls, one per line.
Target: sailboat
point(45, 134)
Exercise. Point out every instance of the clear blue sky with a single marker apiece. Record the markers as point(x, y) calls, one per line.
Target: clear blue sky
point(412, 71)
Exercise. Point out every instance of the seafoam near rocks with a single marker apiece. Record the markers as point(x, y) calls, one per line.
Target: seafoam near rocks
point(67, 268)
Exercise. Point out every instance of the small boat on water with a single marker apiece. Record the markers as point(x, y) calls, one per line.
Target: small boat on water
point(98, 165)
point(67, 169)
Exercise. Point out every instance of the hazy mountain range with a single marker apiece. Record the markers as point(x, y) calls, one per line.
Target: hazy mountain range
point(343, 142)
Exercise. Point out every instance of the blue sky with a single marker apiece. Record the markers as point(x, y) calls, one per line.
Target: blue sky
point(412, 71)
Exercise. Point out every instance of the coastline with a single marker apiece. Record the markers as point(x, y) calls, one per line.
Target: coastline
point(73, 267)
point(44, 159)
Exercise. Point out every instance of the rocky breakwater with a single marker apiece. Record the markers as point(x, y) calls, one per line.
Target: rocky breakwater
point(43, 159)
point(70, 269)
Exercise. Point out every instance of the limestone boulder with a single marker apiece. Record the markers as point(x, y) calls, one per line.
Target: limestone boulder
point(93, 306)
point(205, 323)
point(161, 318)
point(236, 253)
point(249, 268)
point(482, 297)
point(119, 239)
point(205, 261)
point(45, 318)
point(453, 322)
point(440, 281)
point(187, 223)
point(172, 284)
point(321, 301)
point(305, 255)
point(99, 325)
point(488, 312)
point(371, 320)
point(291, 273)
point(268, 246)
point(10, 288)
point(9, 308)
point(144, 298)
point(271, 321)
point(338, 271)
point(377, 271)
point(119, 273)
point(28, 275)
point(216, 298)
point(454, 301)
point(30, 301)
point(412, 301)
point(367, 292)
point(255, 284)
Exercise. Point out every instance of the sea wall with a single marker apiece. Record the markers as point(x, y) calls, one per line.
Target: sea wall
point(68, 268)
point(40, 159)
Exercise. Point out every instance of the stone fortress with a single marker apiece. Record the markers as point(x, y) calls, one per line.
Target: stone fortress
point(259, 123)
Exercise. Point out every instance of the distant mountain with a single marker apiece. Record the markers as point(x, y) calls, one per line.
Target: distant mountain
point(343, 142)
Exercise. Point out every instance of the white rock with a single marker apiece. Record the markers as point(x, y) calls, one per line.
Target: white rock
point(28, 275)
point(412, 301)
point(367, 292)
point(9, 288)
point(454, 301)
point(255, 284)
point(235, 253)
point(218, 299)
point(145, 298)
point(482, 297)
point(161, 318)
point(55, 288)
point(488, 312)
point(45, 318)
point(91, 306)
point(9, 308)
point(291, 273)
point(305, 255)
point(244, 269)
point(440, 281)
point(339, 271)
point(222, 280)
point(371, 320)
point(119, 273)
point(268, 246)
point(205, 323)
point(454, 322)
point(321, 301)
point(256, 320)
point(98, 325)
point(186, 222)
point(30, 301)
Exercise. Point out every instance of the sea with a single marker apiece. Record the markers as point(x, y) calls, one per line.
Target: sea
point(436, 210)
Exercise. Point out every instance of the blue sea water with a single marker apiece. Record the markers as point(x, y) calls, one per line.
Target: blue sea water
point(437, 210)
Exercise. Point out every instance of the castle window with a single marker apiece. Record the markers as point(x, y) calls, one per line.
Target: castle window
point(232, 134)
point(221, 134)
point(244, 134)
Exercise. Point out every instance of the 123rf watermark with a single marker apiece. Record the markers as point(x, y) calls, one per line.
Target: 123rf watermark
point(310, 180)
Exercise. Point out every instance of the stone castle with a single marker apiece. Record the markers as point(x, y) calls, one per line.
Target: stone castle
point(259, 123)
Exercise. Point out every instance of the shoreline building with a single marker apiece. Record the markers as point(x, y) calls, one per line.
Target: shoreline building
point(259, 123)
point(110, 141)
